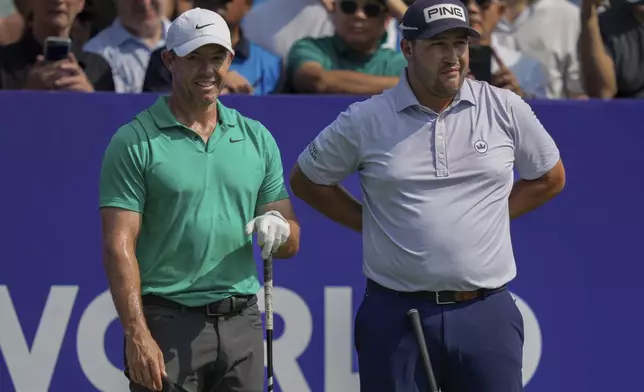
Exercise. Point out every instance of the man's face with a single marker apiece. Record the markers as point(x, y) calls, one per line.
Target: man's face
point(485, 14)
point(59, 14)
point(439, 63)
point(136, 14)
point(360, 23)
point(233, 11)
point(199, 77)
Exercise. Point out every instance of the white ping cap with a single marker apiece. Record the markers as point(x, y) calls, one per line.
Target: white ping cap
point(195, 28)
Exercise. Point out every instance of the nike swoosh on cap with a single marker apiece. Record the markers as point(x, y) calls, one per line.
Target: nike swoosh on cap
point(201, 27)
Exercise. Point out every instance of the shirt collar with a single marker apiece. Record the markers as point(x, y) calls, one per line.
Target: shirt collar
point(121, 35)
point(164, 118)
point(405, 98)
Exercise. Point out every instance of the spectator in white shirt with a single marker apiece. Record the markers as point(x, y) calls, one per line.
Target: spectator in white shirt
point(127, 44)
point(547, 30)
point(510, 68)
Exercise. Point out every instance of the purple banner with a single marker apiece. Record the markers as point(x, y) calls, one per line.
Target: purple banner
point(579, 257)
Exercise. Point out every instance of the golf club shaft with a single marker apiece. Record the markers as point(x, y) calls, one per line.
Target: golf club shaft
point(268, 304)
point(414, 319)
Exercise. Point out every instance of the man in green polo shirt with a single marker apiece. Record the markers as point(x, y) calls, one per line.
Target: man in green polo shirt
point(353, 60)
point(183, 187)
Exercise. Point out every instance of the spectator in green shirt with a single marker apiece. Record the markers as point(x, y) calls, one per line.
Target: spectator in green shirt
point(352, 61)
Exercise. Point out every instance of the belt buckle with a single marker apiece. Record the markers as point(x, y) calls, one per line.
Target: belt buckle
point(439, 302)
point(217, 305)
point(211, 314)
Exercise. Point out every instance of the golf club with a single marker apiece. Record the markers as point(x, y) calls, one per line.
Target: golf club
point(414, 319)
point(268, 305)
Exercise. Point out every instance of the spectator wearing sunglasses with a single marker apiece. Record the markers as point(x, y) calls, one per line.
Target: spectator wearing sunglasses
point(511, 69)
point(353, 60)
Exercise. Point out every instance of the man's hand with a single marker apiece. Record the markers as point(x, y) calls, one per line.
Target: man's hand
point(272, 231)
point(60, 75)
point(72, 77)
point(397, 8)
point(504, 78)
point(145, 361)
point(236, 83)
point(43, 74)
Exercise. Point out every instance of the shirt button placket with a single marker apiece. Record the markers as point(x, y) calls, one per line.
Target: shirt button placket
point(441, 148)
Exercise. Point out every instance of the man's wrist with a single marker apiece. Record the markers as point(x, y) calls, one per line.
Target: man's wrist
point(137, 328)
point(277, 214)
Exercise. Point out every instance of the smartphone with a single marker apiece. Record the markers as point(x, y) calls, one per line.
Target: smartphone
point(57, 48)
point(481, 63)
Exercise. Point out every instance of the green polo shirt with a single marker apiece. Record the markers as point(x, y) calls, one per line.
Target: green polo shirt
point(195, 199)
point(334, 54)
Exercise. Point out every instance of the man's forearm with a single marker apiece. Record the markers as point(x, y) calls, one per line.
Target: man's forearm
point(353, 82)
point(597, 68)
point(334, 202)
point(528, 195)
point(125, 286)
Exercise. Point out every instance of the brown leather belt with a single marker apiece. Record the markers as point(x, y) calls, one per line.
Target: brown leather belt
point(224, 307)
point(439, 297)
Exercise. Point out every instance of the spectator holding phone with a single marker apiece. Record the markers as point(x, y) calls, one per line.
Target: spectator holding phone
point(23, 64)
point(509, 69)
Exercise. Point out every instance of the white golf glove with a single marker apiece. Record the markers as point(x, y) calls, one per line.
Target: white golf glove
point(272, 231)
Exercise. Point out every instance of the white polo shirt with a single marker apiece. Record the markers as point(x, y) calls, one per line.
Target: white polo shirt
point(435, 187)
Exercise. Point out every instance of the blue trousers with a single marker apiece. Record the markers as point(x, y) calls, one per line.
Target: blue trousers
point(475, 346)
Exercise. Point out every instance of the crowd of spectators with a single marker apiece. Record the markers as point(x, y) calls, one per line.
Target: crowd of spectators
point(548, 49)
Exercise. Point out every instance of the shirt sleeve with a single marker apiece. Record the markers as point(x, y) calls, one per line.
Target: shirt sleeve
point(272, 188)
point(122, 182)
point(303, 51)
point(535, 151)
point(334, 154)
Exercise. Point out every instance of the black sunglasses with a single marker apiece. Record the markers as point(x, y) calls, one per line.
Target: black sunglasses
point(371, 10)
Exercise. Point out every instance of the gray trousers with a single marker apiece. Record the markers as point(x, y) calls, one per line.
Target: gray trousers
point(208, 353)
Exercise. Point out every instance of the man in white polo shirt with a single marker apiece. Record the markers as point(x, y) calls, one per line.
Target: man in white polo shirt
point(435, 156)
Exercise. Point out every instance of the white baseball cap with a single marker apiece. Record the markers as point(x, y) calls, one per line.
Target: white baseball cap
point(195, 28)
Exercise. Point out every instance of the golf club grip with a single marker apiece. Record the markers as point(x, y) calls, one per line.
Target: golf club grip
point(268, 292)
point(414, 319)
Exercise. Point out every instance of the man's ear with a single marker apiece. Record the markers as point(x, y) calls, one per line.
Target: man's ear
point(167, 57)
point(406, 47)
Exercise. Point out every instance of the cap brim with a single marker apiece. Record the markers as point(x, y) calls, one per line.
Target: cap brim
point(194, 44)
point(431, 33)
